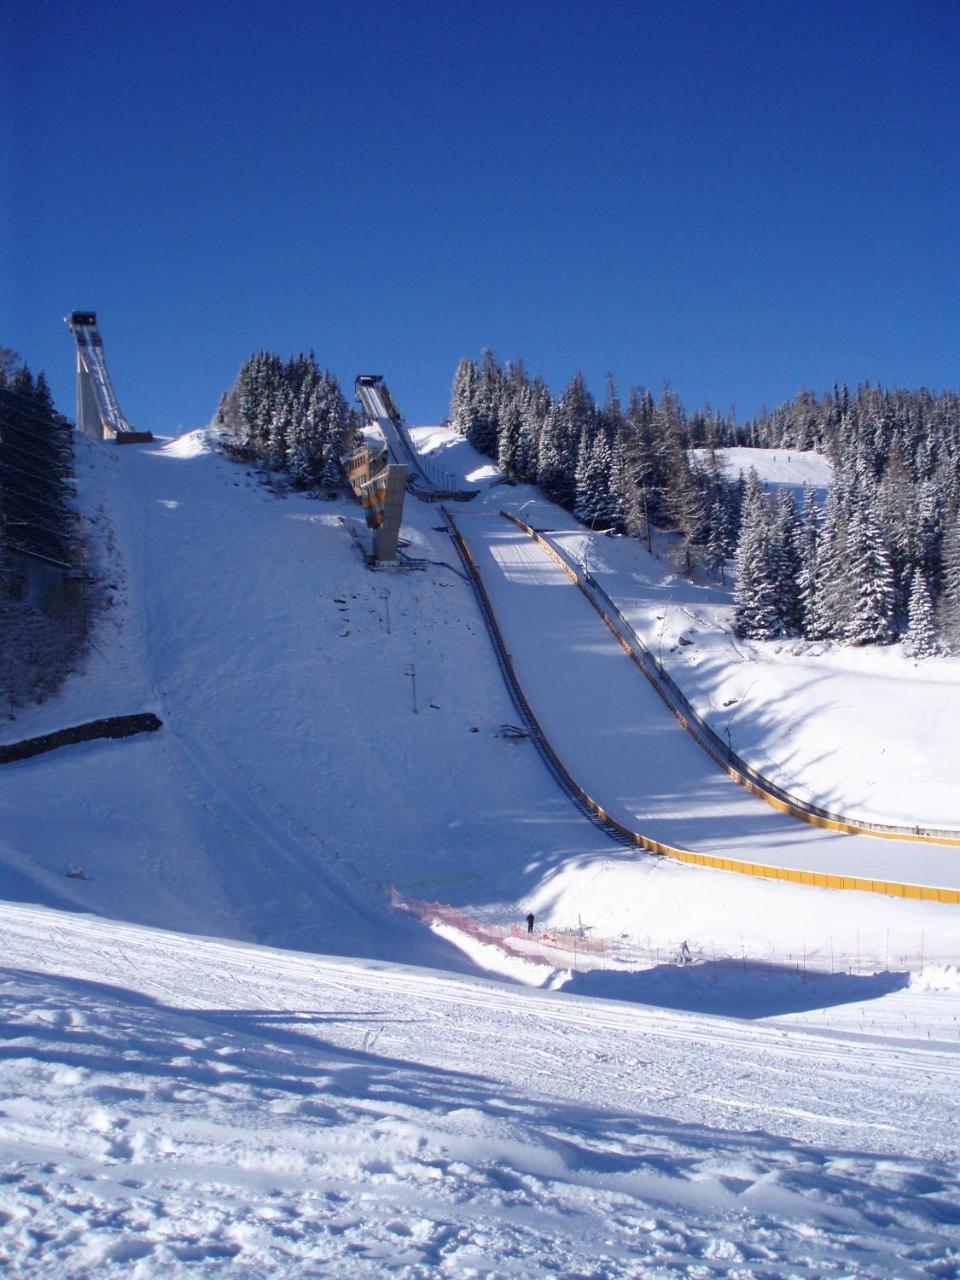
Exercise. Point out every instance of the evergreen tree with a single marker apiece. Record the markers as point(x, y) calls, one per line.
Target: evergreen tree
point(785, 563)
point(463, 398)
point(718, 538)
point(808, 539)
point(509, 429)
point(755, 593)
point(827, 606)
point(41, 392)
point(555, 472)
point(595, 504)
point(482, 430)
point(921, 636)
point(289, 416)
point(949, 607)
point(533, 411)
point(897, 508)
point(873, 602)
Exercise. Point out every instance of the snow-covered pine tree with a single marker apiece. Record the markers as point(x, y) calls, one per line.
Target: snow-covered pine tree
point(930, 515)
point(640, 491)
point(686, 502)
point(533, 411)
point(509, 428)
point(755, 593)
point(897, 510)
point(949, 605)
point(271, 382)
point(716, 553)
point(280, 429)
point(556, 463)
point(829, 605)
point(808, 539)
point(482, 431)
point(785, 562)
point(463, 398)
point(594, 504)
point(921, 632)
point(872, 606)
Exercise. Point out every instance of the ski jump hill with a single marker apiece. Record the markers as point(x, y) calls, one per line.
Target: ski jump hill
point(309, 740)
point(330, 732)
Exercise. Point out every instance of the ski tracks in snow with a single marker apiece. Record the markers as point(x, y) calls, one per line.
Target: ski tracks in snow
point(171, 1101)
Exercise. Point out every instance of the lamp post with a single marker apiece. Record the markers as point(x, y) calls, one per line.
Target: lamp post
point(411, 671)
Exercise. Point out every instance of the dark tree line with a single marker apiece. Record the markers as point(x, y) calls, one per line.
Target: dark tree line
point(881, 560)
point(36, 457)
point(289, 416)
point(43, 601)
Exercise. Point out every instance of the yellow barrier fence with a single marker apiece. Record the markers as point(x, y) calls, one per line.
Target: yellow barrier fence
point(816, 879)
point(756, 785)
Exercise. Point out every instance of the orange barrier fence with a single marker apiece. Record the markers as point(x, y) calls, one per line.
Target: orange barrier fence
point(542, 946)
point(574, 949)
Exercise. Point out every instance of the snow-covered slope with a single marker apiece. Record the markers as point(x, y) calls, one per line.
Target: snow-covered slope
point(293, 781)
point(794, 469)
point(180, 1104)
point(632, 756)
point(178, 1107)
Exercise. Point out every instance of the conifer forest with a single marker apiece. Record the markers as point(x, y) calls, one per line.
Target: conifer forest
point(289, 416)
point(43, 601)
point(878, 561)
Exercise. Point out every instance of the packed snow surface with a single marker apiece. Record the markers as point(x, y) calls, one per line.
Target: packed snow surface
point(352, 1096)
point(177, 1106)
point(630, 754)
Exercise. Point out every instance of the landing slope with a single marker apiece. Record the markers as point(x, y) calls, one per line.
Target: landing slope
point(630, 753)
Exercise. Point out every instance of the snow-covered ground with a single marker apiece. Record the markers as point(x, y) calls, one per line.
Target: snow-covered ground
point(178, 1104)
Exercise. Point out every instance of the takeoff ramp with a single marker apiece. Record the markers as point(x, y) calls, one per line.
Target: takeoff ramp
point(425, 479)
point(627, 751)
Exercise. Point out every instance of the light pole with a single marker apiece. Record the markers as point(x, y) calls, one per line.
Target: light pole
point(663, 619)
point(411, 671)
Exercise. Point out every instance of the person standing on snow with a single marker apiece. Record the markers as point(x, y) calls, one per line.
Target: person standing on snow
point(529, 922)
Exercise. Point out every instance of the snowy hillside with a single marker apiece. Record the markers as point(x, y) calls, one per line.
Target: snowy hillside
point(795, 469)
point(869, 732)
point(176, 1100)
point(177, 1107)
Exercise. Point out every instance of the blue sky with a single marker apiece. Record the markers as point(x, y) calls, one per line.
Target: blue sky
point(743, 198)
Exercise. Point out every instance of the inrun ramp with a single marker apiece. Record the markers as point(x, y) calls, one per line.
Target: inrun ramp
point(624, 747)
point(425, 479)
point(98, 410)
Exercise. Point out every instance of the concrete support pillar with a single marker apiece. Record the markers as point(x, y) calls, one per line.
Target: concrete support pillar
point(385, 538)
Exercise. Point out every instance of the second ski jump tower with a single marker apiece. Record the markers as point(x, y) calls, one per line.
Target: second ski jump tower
point(98, 411)
point(380, 476)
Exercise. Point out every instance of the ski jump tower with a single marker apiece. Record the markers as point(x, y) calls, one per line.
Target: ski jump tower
point(98, 411)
